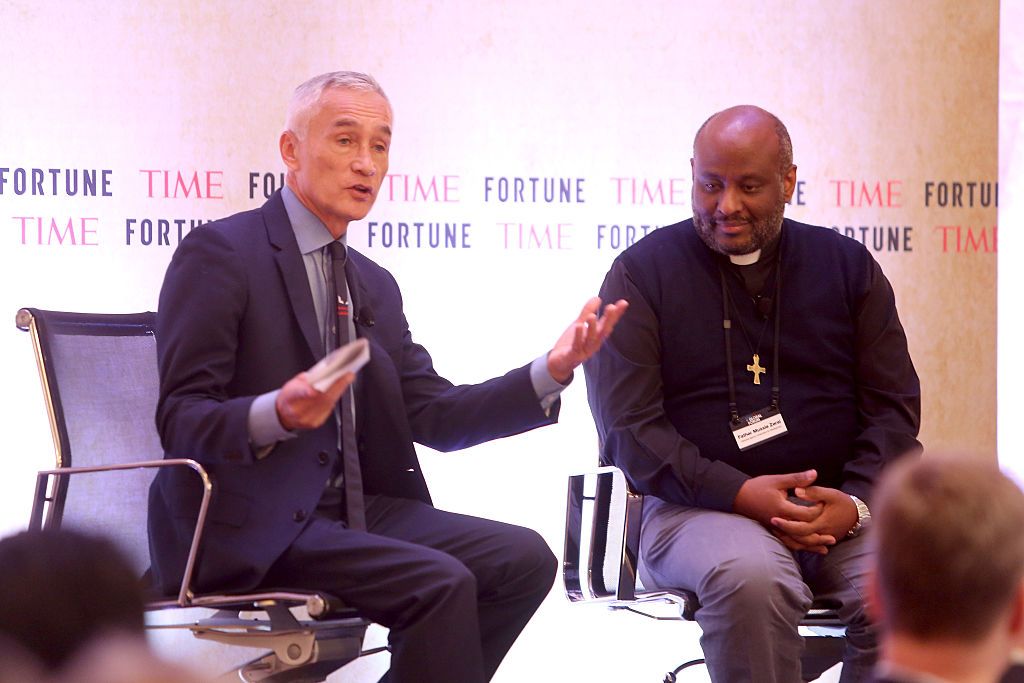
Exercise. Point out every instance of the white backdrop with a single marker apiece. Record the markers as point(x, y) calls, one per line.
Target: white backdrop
point(604, 96)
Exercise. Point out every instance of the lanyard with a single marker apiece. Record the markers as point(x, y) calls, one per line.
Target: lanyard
point(734, 414)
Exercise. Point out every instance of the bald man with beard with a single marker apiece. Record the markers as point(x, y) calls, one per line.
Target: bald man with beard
point(754, 392)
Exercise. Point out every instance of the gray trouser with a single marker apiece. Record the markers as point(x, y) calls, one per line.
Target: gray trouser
point(753, 590)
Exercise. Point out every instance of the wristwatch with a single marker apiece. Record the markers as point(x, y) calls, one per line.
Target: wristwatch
point(863, 517)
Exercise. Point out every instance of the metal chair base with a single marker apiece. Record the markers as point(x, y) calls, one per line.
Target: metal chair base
point(821, 653)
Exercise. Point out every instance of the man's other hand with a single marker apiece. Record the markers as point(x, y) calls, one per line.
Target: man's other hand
point(838, 515)
point(767, 497)
point(300, 406)
point(584, 337)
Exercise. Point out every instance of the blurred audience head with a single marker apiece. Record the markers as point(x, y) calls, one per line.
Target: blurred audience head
point(63, 589)
point(949, 562)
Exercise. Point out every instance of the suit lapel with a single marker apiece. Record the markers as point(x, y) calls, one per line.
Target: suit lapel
point(293, 272)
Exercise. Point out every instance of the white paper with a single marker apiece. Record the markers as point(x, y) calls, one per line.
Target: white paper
point(348, 358)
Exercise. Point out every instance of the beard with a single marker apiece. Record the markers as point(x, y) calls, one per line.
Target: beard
point(762, 231)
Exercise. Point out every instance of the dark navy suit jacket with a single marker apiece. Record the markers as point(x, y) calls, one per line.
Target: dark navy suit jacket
point(236, 320)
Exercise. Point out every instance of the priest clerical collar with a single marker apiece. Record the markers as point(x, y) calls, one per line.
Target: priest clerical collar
point(755, 268)
point(763, 256)
point(745, 259)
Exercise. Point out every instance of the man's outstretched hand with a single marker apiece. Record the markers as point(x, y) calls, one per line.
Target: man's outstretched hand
point(584, 337)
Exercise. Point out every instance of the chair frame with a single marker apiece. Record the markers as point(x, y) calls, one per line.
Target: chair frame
point(624, 594)
point(301, 648)
point(586, 583)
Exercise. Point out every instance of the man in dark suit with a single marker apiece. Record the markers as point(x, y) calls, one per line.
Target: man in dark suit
point(947, 586)
point(247, 305)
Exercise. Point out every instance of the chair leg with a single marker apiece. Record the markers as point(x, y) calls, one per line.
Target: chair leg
point(821, 653)
point(331, 656)
point(301, 656)
point(670, 677)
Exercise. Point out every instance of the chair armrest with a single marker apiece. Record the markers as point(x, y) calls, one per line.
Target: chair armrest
point(41, 498)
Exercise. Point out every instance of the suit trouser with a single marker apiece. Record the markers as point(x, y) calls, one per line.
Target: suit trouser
point(754, 591)
point(454, 590)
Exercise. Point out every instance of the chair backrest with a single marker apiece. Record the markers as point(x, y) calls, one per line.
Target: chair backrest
point(100, 382)
point(602, 537)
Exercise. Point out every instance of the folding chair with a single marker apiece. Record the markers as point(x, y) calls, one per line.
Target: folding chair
point(602, 546)
point(99, 377)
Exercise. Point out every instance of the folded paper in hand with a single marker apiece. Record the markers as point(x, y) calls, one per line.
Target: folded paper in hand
point(348, 358)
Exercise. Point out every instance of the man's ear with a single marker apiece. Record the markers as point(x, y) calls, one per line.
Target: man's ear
point(789, 183)
point(288, 145)
point(1017, 615)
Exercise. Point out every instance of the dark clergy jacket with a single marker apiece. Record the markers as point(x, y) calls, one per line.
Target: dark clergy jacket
point(658, 388)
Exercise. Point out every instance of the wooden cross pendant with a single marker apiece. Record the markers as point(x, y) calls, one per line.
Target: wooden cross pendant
point(756, 369)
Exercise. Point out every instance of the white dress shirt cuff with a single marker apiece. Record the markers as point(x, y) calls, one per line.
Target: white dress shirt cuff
point(547, 388)
point(265, 428)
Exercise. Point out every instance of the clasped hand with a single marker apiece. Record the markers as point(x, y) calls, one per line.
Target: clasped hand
point(816, 519)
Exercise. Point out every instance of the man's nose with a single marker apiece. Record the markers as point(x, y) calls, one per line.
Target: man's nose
point(729, 201)
point(363, 162)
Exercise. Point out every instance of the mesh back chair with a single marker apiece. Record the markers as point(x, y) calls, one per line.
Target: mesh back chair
point(99, 377)
point(602, 547)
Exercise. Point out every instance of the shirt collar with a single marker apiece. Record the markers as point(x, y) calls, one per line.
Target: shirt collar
point(761, 257)
point(310, 232)
point(745, 259)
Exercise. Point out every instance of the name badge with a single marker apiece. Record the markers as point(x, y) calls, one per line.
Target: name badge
point(758, 427)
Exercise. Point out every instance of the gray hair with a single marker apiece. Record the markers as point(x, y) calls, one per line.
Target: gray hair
point(309, 93)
